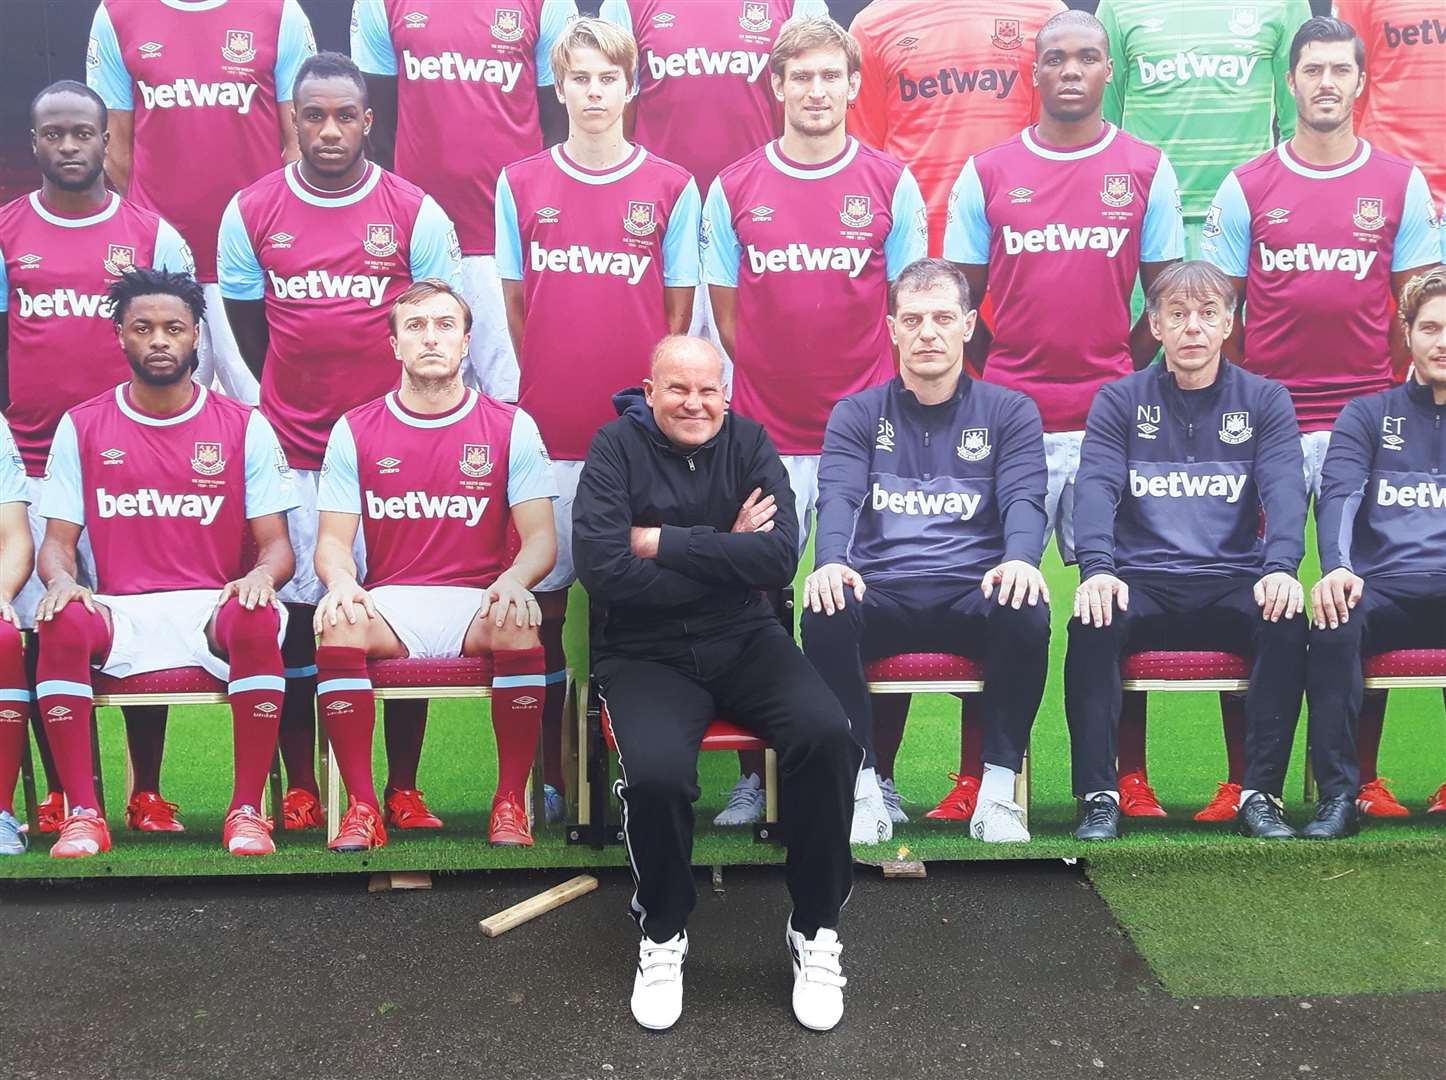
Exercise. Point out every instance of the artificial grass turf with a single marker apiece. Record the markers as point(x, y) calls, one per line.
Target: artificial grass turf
point(1213, 913)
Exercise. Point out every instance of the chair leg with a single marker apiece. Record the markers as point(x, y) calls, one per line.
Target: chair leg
point(536, 791)
point(570, 748)
point(1309, 777)
point(27, 785)
point(770, 794)
point(333, 793)
point(95, 765)
point(1021, 786)
point(274, 811)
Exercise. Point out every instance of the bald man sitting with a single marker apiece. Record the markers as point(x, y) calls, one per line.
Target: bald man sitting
point(683, 518)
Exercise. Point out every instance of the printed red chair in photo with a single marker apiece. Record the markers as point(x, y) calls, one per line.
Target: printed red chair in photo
point(173, 686)
point(938, 673)
point(597, 751)
point(438, 678)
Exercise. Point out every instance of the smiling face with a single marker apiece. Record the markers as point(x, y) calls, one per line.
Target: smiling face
point(430, 338)
point(594, 89)
point(332, 122)
point(685, 392)
point(69, 139)
point(1191, 329)
point(930, 327)
point(159, 336)
point(1071, 67)
point(1326, 82)
point(816, 89)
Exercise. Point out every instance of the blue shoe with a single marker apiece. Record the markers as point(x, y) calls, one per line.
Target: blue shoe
point(14, 838)
point(552, 804)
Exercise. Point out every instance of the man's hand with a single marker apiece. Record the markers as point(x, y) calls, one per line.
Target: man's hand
point(1095, 599)
point(256, 589)
point(505, 595)
point(643, 542)
point(823, 590)
point(755, 515)
point(1333, 596)
point(1018, 581)
point(346, 598)
point(59, 593)
point(7, 612)
point(1279, 594)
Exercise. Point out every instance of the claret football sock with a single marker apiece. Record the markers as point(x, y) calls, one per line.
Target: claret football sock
point(14, 712)
point(257, 689)
point(348, 709)
point(69, 644)
point(518, 687)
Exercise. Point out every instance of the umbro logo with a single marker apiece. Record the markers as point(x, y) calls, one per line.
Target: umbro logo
point(907, 43)
point(526, 701)
point(150, 50)
point(762, 213)
point(266, 708)
point(11, 716)
point(414, 20)
point(58, 712)
point(112, 456)
point(389, 464)
point(336, 708)
point(1278, 215)
point(1021, 195)
point(281, 239)
point(548, 213)
point(664, 19)
point(28, 262)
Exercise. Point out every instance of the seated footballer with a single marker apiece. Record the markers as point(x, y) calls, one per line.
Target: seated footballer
point(434, 473)
point(173, 485)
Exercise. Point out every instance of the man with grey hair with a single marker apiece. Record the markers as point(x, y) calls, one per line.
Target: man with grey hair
point(1179, 463)
point(683, 519)
point(930, 530)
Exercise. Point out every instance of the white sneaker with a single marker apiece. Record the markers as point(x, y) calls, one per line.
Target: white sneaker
point(893, 803)
point(997, 822)
point(871, 823)
point(818, 979)
point(658, 984)
point(745, 802)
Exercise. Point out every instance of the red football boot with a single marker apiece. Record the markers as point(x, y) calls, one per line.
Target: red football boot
point(1438, 801)
point(148, 812)
point(82, 834)
point(52, 812)
point(1376, 800)
point(958, 805)
point(246, 832)
point(300, 809)
point(1223, 806)
point(1137, 797)
point(407, 810)
point(508, 827)
point(361, 829)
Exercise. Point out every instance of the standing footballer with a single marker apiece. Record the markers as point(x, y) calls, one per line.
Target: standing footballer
point(311, 259)
point(801, 239)
point(1319, 235)
point(597, 245)
point(200, 106)
point(61, 247)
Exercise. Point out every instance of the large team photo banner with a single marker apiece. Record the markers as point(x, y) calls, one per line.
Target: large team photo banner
point(547, 433)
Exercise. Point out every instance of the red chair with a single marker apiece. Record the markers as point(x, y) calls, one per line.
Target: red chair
point(174, 686)
point(595, 755)
point(411, 678)
point(938, 673)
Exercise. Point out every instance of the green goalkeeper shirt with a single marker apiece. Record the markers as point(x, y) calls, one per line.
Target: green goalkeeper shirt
point(1202, 80)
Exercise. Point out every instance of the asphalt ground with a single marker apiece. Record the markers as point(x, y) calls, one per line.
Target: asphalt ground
point(1009, 972)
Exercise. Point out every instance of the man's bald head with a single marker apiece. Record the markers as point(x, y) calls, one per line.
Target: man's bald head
point(684, 388)
point(682, 349)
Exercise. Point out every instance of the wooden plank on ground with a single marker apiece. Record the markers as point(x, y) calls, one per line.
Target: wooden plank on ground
point(537, 905)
